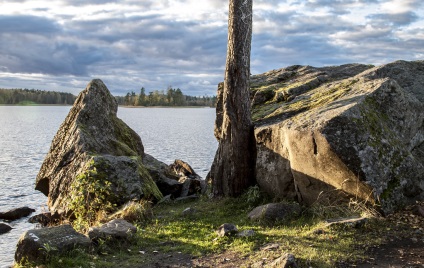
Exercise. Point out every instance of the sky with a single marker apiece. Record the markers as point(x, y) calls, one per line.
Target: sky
point(63, 44)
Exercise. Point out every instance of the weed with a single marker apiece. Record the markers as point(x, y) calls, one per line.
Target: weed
point(88, 199)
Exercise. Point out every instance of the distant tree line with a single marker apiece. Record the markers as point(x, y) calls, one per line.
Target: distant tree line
point(172, 97)
point(35, 96)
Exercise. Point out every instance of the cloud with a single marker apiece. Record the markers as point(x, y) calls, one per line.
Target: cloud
point(395, 19)
point(130, 44)
point(27, 24)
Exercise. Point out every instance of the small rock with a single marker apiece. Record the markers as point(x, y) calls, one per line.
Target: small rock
point(188, 211)
point(275, 212)
point(271, 246)
point(286, 261)
point(184, 169)
point(16, 213)
point(4, 228)
point(227, 229)
point(116, 229)
point(246, 233)
point(44, 219)
point(192, 186)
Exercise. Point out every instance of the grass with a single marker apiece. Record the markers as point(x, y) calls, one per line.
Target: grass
point(170, 234)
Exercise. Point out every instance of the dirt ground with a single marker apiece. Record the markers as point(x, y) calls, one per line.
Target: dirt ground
point(404, 241)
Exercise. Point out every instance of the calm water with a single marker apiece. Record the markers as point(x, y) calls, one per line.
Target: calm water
point(27, 131)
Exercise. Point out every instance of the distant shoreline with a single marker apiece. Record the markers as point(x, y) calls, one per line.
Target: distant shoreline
point(129, 106)
point(35, 104)
point(124, 106)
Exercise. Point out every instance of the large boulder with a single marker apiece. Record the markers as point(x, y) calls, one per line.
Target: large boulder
point(95, 159)
point(341, 132)
point(37, 245)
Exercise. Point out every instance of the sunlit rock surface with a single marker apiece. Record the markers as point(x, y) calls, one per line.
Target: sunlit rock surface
point(350, 131)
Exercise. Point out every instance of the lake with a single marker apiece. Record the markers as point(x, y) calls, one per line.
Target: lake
point(27, 131)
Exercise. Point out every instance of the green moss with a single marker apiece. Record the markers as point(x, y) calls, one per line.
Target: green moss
point(313, 99)
point(391, 187)
point(286, 87)
point(263, 111)
point(125, 143)
point(150, 188)
point(384, 141)
point(93, 194)
point(324, 95)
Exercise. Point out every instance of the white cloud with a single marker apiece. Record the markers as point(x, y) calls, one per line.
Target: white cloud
point(400, 6)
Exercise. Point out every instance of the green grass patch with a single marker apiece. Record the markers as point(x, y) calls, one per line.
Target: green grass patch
point(171, 233)
point(27, 103)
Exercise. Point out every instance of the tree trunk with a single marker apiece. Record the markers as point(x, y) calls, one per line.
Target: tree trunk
point(233, 169)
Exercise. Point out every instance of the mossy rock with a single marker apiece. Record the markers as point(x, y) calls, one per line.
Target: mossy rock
point(95, 160)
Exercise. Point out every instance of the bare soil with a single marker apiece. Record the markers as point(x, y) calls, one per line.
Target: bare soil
point(403, 244)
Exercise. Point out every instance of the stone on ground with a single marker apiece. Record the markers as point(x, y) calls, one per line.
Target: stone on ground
point(274, 212)
point(116, 229)
point(227, 229)
point(37, 245)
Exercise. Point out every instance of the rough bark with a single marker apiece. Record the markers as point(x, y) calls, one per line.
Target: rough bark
point(233, 168)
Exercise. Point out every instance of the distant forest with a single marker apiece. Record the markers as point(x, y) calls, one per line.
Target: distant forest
point(35, 96)
point(172, 97)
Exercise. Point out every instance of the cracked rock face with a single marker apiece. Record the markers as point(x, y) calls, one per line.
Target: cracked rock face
point(340, 132)
point(94, 145)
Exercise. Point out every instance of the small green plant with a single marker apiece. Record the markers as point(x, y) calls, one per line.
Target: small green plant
point(89, 199)
point(254, 196)
point(48, 250)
